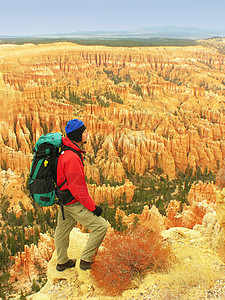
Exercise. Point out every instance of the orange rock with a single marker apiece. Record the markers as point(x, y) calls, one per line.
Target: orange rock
point(174, 217)
point(29, 98)
point(202, 201)
point(201, 192)
point(109, 193)
point(194, 215)
point(11, 185)
point(25, 266)
point(201, 198)
point(150, 218)
point(171, 117)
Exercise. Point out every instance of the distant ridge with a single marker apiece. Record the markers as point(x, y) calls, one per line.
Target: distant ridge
point(144, 33)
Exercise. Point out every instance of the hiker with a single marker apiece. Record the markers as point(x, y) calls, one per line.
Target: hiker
point(82, 209)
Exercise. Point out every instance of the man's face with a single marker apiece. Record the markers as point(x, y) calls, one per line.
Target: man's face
point(84, 136)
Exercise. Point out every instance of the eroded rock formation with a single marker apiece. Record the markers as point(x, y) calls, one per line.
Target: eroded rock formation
point(150, 219)
point(201, 200)
point(164, 105)
point(145, 109)
point(110, 193)
point(33, 260)
point(12, 188)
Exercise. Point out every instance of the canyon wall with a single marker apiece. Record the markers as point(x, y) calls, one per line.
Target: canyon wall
point(159, 107)
point(146, 109)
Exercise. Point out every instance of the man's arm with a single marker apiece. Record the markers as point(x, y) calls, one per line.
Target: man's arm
point(76, 182)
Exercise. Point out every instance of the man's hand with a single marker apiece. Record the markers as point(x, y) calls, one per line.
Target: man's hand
point(98, 211)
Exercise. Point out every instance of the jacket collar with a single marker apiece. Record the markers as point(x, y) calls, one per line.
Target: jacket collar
point(67, 142)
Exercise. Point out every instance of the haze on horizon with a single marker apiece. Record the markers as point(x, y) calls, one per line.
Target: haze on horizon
point(33, 17)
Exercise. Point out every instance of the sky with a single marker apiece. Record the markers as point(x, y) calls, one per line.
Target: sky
point(33, 17)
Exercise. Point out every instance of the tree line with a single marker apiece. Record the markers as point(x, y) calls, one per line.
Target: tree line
point(122, 42)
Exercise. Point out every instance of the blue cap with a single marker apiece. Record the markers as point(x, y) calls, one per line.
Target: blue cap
point(73, 125)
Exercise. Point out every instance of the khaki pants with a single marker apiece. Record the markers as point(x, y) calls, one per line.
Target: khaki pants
point(78, 213)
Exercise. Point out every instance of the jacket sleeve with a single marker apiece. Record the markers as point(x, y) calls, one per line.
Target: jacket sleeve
point(75, 177)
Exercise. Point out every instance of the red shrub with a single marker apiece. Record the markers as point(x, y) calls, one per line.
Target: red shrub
point(126, 255)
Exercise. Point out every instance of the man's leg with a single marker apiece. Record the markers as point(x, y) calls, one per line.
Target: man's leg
point(62, 234)
point(98, 231)
point(97, 225)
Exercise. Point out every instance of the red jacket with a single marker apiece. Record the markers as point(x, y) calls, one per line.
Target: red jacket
point(71, 170)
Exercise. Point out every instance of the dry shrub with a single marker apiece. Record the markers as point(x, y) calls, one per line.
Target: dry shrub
point(126, 256)
point(194, 268)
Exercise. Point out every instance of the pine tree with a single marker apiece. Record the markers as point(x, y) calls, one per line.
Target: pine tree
point(30, 217)
point(36, 235)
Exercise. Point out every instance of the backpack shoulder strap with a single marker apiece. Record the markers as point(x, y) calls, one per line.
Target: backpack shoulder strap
point(64, 149)
point(75, 151)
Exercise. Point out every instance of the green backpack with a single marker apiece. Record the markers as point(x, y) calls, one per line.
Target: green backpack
point(43, 172)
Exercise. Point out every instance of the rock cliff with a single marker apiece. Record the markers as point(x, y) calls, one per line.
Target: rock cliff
point(193, 255)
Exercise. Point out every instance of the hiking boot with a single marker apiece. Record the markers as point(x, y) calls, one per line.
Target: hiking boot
point(70, 264)
point(85, 265)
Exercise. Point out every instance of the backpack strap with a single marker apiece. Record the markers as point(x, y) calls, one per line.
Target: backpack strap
point(75, 151)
